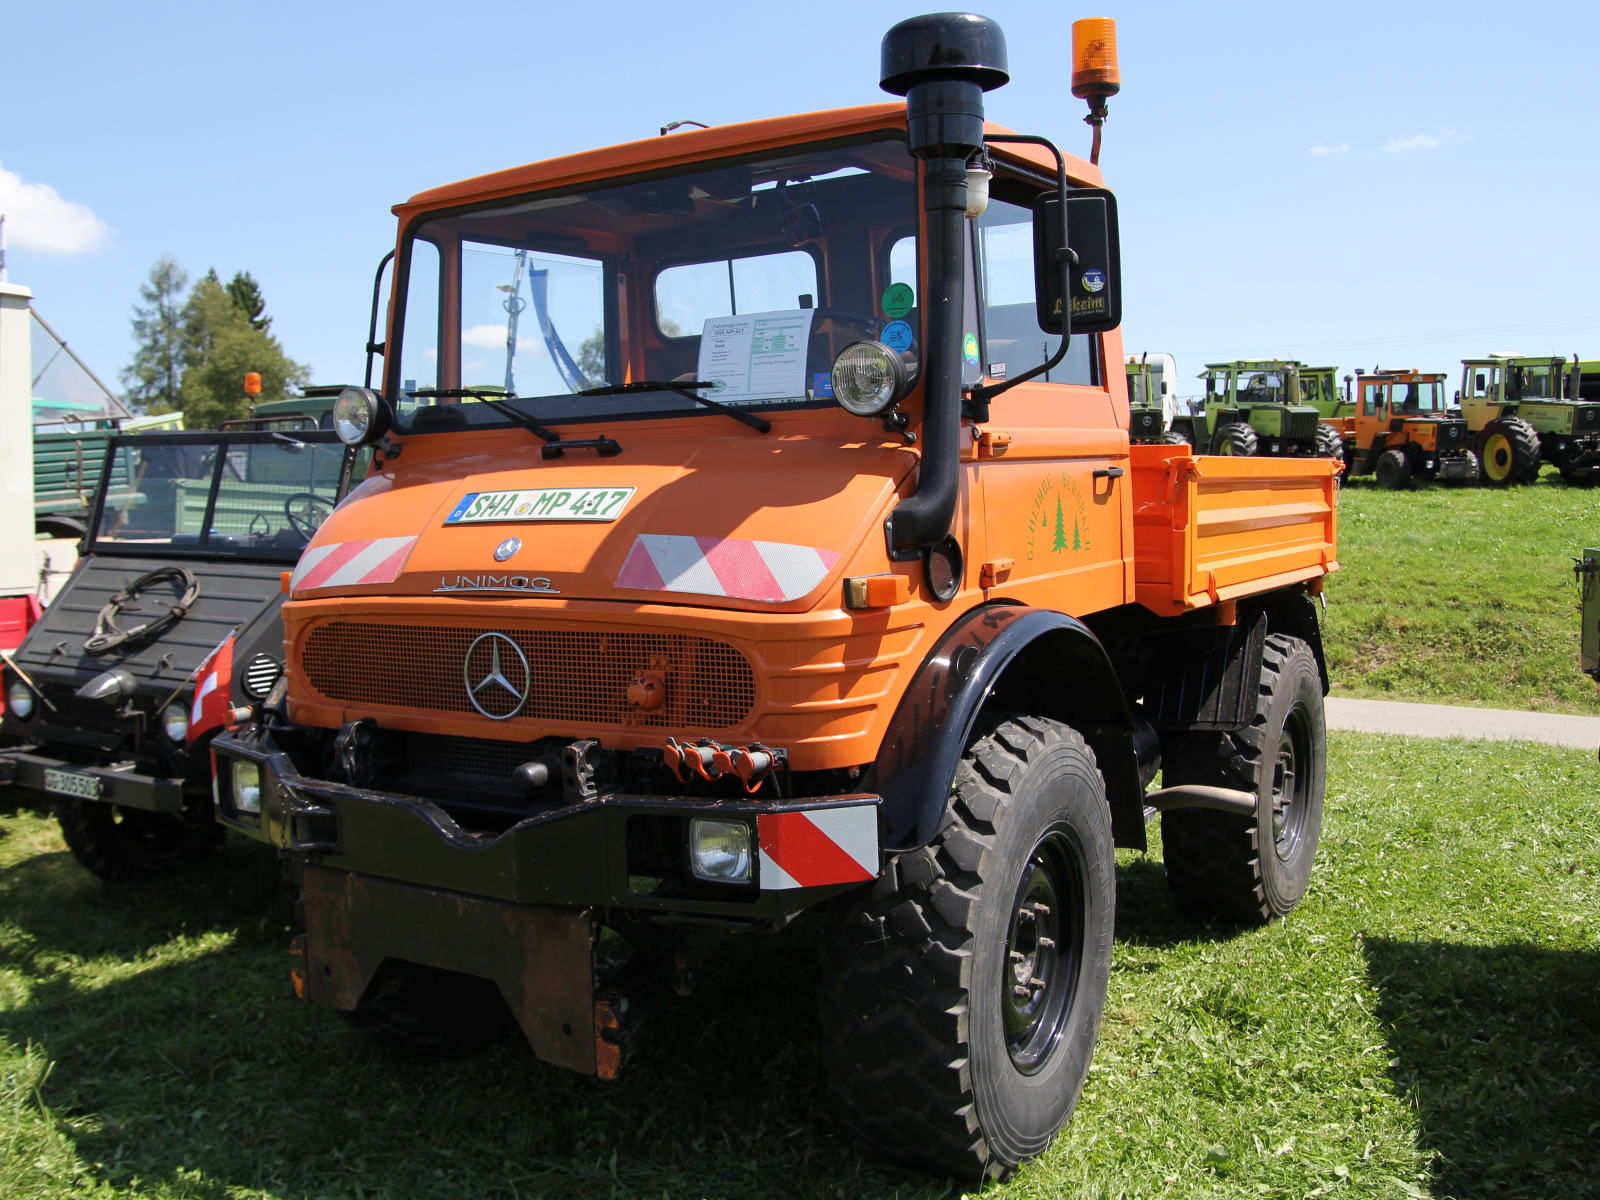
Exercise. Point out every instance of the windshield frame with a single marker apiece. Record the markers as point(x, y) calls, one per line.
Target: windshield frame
point(224, 441)
point(411, 233)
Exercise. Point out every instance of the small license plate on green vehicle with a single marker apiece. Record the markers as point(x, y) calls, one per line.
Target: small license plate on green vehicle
point(542, 504)
point(71, 783)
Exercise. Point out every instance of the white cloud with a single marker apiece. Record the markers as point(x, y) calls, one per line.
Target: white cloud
point(37, 218)
point(1422, 141)
point(1319, 148)
point(493, 337)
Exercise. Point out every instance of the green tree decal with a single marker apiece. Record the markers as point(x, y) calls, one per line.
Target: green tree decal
point(1060, 542)
point(1077, 535)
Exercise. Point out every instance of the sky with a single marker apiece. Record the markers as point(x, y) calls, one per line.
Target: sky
point(1358, 184)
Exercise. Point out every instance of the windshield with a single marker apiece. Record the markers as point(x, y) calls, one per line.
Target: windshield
point(263, 499)
point(751, 277)
point(1423, 396)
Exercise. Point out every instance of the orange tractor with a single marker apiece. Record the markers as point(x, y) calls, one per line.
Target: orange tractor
point(755, 527)
point(1403, 428)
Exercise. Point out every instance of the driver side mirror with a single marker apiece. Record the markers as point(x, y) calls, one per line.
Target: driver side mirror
point(1095, 280)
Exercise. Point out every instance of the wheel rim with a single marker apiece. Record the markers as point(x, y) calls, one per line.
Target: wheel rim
point(1291, 783)
point(1044, 952)
point(1497, 457)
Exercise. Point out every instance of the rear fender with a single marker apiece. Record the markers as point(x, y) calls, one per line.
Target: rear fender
point(1004, 658)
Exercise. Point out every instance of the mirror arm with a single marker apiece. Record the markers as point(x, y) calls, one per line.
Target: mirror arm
point(372, 326)
point(980, 396)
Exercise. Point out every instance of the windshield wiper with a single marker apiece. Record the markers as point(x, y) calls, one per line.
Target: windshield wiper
point(651, 385)
point(554, 446)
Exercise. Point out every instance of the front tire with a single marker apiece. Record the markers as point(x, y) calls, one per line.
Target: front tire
point(964, 992)
point(1329, 443)
point(1394, 470)
point(1508, 452)
point(1253, 869)
point(1237, 440)
point(125, 844)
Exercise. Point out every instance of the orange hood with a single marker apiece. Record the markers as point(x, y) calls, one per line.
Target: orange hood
point(739, 522)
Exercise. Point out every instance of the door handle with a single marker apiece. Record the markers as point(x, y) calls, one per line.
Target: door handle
point(1109, 473)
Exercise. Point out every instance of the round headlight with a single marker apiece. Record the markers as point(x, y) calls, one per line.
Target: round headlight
point(868, 378)
point(19, 699)
point(176, 722)
point(360, 416)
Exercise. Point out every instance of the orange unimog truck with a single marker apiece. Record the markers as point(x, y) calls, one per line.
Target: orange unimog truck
point(755, 528)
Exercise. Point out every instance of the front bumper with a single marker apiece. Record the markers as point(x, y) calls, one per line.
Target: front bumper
point(803, 850)
point(125, 788)
point(1461, 466)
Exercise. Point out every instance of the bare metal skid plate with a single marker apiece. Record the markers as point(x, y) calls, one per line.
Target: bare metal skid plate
point(541, 957)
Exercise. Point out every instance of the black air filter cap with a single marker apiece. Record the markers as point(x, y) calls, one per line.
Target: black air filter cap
point(935, 46)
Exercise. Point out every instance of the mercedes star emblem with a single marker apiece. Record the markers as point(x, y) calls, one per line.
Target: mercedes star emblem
point(507, 548)
point(493, 689)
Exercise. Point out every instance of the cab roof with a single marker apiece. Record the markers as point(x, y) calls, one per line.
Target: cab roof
point(720, 141)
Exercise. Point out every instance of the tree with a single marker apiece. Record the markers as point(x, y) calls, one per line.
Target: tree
point(1060, 542)
point(246, 295)
point(154, 377)
point(592, 356)
point(222, 344)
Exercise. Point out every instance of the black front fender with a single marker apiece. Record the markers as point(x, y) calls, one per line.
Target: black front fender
point(1006, 658)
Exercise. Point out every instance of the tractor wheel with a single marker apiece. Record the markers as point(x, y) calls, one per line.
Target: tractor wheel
point(964, 991)
point(1329, 443)
point(1394, 470)
point(1173, 437)
point(431, 1013)
point(1508, 452)
point(1253, 869)
point(1237, 440)
point(123, 844)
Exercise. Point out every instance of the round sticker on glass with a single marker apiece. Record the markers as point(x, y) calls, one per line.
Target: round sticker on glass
point(970, 348)
point(898, 300)
point(1093, 279)
point(897, 336)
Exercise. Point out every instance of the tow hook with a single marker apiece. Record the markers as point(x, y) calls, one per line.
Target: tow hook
point(712, 760)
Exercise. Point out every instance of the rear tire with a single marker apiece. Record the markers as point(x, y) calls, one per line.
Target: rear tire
point(1508, 452)
point(1329, 443)
point(1237, 440)
point(1253, 869)
point(431, 1013)
point(1394, 470)
point(123, 844)
point(933, 1060)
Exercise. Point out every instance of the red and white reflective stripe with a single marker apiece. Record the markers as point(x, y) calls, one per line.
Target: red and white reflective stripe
point(346, 564)
point(746, 570)
point(814, 849)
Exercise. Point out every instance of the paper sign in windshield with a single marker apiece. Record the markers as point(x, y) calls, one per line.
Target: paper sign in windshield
point(759, 357)
point(542, 504)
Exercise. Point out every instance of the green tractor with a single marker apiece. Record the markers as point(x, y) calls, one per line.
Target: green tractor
point(1523, 410)
point(1255, 408)
point(1152, 400)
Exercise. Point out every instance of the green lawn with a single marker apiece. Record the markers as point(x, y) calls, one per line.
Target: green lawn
point(1426, 1024)
point(1461, 595)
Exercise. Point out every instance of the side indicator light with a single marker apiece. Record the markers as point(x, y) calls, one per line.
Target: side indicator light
point(283, 580)
point(876, 591)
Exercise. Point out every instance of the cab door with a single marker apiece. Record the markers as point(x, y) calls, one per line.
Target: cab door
point(1053, 455)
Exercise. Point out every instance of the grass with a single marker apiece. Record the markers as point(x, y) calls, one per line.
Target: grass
point(1461, 595)
point(1424, 1025)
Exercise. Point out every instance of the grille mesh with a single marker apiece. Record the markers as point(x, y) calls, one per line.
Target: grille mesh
point(482, 757)
point(1300, 426)
point(578, 676)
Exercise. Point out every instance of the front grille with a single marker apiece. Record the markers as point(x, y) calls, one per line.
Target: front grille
point(1588, 418)
point(483, 757)
point(1300, 426)
point(260, 675)
point(1452, 435)
point(578, 676)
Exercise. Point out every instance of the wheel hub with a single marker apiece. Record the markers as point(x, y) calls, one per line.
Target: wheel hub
point(1290, 784)
point(1043, 952)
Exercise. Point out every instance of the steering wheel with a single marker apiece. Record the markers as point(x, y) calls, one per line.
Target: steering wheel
point(846, 314)
point(307, 523)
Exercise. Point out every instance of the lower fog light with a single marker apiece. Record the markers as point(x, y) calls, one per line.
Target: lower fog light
point(719, 851)
point(246, 786)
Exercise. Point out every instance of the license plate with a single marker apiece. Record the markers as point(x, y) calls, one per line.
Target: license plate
point(70, 783)
point(542, 504)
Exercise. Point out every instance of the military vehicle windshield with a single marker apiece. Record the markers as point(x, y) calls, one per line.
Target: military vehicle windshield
point(750, 276)
point(264, 497)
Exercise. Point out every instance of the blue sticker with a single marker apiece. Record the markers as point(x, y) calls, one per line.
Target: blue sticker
point(460, 510)
point(1094, 279)
point(897, 336)
point(822, 384)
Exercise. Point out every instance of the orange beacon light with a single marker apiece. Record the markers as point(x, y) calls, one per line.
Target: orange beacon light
point(252, 383)
point(1094, 70)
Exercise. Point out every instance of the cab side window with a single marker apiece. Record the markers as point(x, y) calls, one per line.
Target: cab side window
point(1009, 336)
